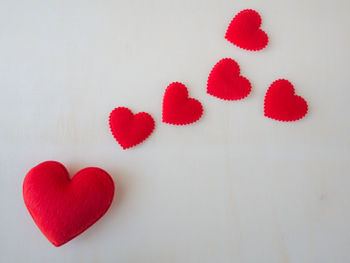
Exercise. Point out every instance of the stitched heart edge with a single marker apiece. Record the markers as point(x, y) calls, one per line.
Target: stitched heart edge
point(277, 119)
point(239, 74)
point(238, 45)
point(141, 113)
point(182, 123)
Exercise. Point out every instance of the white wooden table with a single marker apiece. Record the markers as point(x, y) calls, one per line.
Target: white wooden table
point(234, 187)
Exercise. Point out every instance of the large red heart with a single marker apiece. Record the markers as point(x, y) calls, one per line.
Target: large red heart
point(282, 104)
point(62, 207)
point(129, 129)
point(178, 108)
point(224, 81)
point(244, 31)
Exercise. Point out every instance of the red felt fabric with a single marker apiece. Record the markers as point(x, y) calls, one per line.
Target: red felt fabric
point(178, 108)
point(244, 31)
point(282, 104)
point(62, 207)
point(129, 129)
point(225, 82)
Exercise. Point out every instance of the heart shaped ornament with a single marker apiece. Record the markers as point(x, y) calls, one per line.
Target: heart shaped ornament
point(244, 31)
point(178, 108)
point(129, 129)
point(61, 207)
point(225, 82)
point(282, 104)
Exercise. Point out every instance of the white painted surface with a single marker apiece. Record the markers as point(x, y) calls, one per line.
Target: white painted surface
point(234, 187)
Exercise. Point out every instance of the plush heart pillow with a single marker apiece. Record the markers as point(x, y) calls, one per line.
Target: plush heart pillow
point(62, 207)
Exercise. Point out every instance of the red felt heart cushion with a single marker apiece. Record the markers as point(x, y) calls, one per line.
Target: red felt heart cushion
point(224, 81)
point(62, 207)
point(178, 108)
point(129, 129)
point(244, 31)
point(282, 104)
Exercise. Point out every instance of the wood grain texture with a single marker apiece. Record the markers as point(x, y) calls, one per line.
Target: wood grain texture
point(233, 187)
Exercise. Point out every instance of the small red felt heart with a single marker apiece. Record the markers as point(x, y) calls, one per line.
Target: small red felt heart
point(62, 207)
point(178, 108)
point(282, 104)
point(224, 81)
point(244, 31)
point(129, 129)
